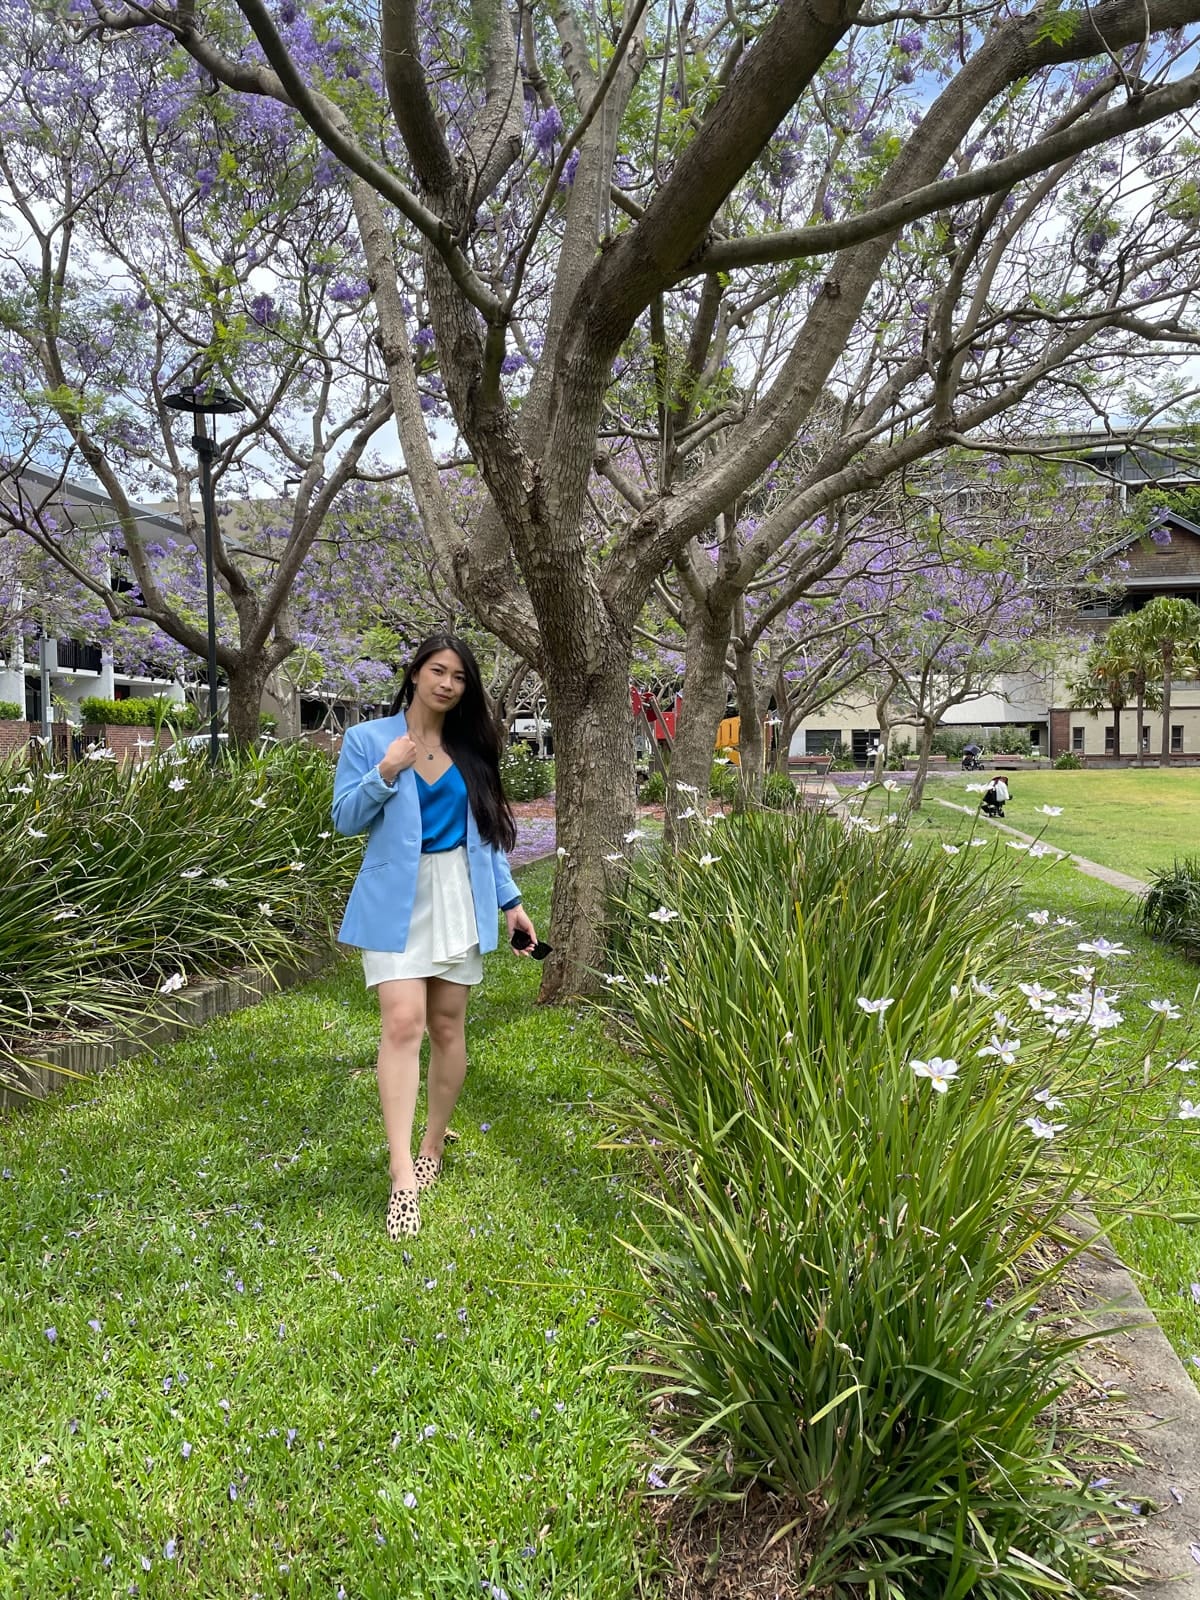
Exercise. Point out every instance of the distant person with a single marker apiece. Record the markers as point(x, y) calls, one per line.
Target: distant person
point(423, 784)
point(970, 758)
point(996, 796)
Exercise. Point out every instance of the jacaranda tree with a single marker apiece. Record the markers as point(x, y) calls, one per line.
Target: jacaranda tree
point(157, 236)
point(655, 246)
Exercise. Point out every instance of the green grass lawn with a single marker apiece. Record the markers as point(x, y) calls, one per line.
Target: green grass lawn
point(1130, 819)
point(1160, 1166)
point(218, 1378)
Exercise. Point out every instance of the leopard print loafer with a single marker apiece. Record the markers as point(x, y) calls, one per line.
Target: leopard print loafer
point(403, 1215)
point(428, 1170)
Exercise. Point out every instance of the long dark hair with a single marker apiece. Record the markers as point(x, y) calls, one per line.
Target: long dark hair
point(471, 738)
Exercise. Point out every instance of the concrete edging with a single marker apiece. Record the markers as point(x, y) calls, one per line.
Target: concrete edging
point(1149, 1400)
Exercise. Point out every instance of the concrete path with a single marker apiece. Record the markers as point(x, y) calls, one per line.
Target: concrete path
point(1093, 869)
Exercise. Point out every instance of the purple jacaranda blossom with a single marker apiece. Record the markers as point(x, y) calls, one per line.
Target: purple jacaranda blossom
point(423, 338)
point(347, 290)
point(52, 1335)
point(568, 172)
point(428, 403)
point(1160, 536)
point(911, 43)
point(546, 132)
point(262, 309)
point(513, 362)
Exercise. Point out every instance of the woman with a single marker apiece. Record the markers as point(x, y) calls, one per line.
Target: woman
point(424, 785)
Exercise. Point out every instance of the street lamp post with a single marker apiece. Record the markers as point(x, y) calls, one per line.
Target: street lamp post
point(204, 402)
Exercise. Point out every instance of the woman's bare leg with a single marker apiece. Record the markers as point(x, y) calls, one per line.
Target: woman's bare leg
point(402, 1005)
point(446, 1019)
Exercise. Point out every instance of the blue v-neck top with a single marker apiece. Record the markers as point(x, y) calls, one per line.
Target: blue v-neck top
point(443, 812)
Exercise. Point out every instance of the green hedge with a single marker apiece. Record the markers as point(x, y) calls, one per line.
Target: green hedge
point(10, 711)
point(138, 713)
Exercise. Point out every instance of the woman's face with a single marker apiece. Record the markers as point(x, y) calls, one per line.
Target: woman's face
point(441, 683)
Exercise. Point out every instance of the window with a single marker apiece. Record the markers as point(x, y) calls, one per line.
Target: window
point(820, 741)
point(1077, 740)
point(1145, 741)
point(1110, 739)
point(1176, 738)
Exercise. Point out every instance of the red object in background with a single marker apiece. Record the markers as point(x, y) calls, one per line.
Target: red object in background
point(645, 707)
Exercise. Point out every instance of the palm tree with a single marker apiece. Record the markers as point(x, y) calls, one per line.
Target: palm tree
point(1127, 654)
point(1169, 632)
point(1104, 681)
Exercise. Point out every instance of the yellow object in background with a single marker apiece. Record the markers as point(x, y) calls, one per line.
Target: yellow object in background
point(728, 732)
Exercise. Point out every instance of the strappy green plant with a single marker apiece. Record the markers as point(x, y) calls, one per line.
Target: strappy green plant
point(845, 1258)
point(118, 876)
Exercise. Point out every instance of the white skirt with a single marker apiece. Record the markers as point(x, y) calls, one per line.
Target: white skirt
point(443, 938)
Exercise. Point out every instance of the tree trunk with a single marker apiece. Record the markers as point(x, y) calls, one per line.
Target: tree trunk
point(704, 702)
point(246, 684)
point(1168, 659)
point(916, 793)
point(594, 807)
point(1141, 719)
point(1116, 711)
point(750, 740)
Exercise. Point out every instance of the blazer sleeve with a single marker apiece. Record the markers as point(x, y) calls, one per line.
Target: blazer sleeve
point(507, 892)
point(359, 793)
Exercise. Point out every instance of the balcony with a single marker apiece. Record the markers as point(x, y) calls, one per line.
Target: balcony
point(76, 657)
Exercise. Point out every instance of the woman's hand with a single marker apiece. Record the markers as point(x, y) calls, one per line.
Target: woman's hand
point(517, 918)
point(398, 757)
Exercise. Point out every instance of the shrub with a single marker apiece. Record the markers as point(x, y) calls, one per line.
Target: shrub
point(525, 777)
point(10, 711)
point(779, 792)
point(136, 712)
point(1068, 762)
point(844, 1262)
point(843, 758)
point(267, 723)
point(951, 741)
point(654, 791)
point(725, 780)
point(1171, 909)
point(1011, 740)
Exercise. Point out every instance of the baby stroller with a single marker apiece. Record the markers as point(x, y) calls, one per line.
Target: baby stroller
point(970, 759)
point(995, 798)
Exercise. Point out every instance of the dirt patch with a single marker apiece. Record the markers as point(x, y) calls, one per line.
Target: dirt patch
point(534, 809)
point(750, 1549)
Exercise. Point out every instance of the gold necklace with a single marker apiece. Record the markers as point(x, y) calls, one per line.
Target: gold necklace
point(429, 754)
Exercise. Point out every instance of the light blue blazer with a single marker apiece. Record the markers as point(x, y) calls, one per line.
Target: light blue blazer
point(379, 909)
